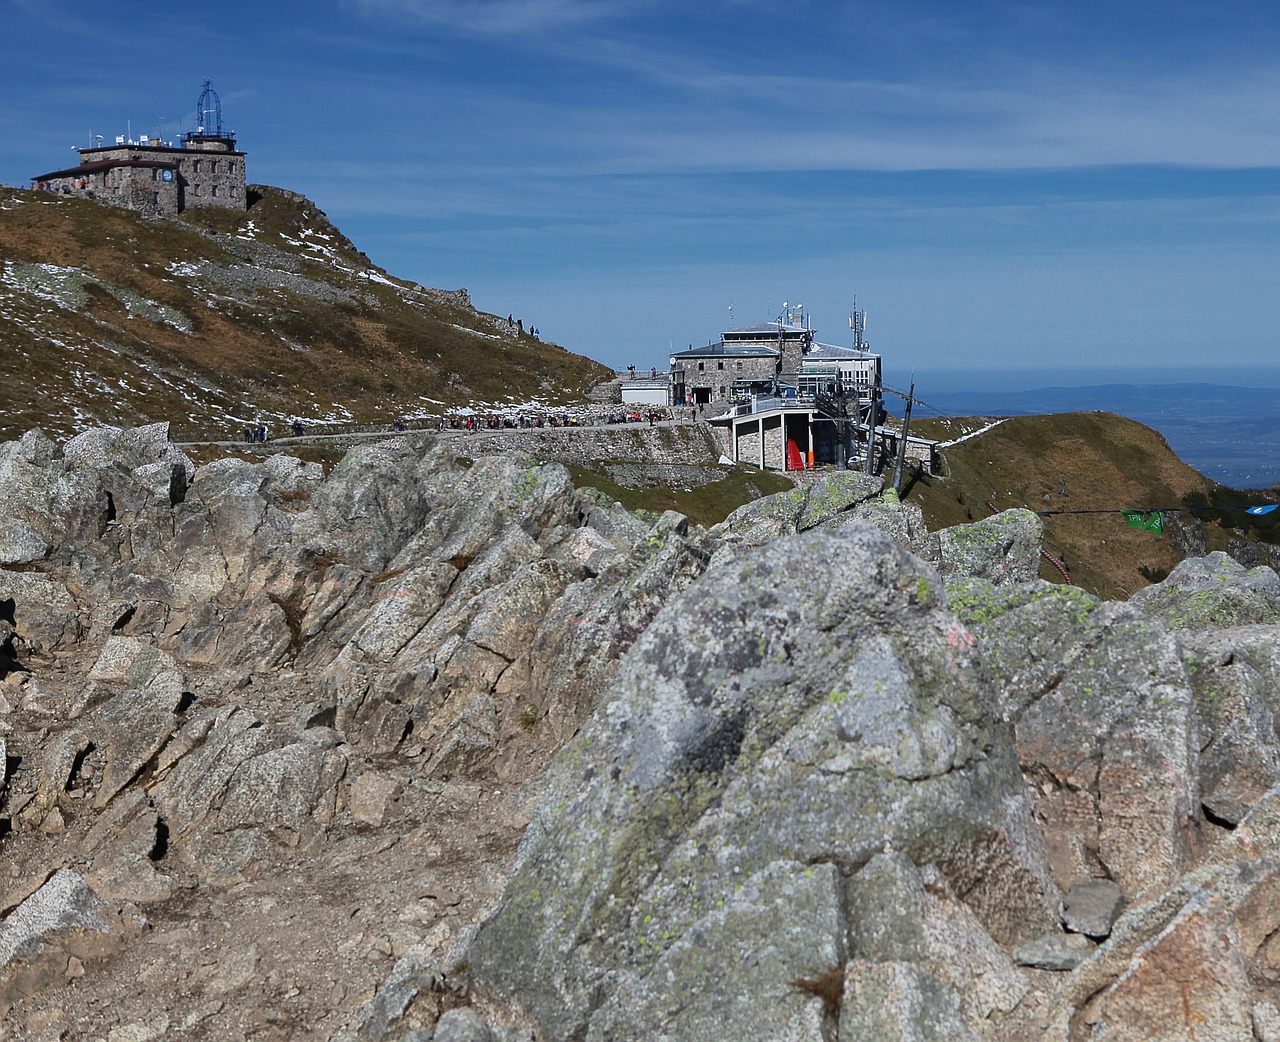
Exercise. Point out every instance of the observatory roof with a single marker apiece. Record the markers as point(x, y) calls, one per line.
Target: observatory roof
point(102, 164)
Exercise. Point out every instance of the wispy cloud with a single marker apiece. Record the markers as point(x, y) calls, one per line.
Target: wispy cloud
point(500, 17)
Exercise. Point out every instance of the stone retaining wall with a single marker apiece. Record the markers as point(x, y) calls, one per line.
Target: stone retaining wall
point(692, 444)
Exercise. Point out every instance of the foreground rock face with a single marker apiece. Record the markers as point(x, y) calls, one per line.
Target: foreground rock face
point(210, 674)
point(269, 739)
point(785, 720)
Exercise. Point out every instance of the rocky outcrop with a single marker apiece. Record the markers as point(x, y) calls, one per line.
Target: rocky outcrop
point(827, 502)
point(595, 939)
point(208, 671)
point(1003, 549)
point(799, 710)
point(1213, 591)
point(270, 737)
point(1235, 679)
point(1104, 719)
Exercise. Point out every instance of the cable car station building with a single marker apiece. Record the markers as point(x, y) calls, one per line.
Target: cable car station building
point(788, 402)
point(159, 177)
point(769, 358)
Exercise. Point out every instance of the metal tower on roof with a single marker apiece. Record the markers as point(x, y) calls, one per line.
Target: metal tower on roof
point(209, 105)
point(209, 129)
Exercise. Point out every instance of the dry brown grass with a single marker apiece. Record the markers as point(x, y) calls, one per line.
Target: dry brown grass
point(272, 355)
point(1074, 461)
point(827, 986)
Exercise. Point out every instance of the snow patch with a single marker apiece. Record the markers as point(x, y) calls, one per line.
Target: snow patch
point(971, 434)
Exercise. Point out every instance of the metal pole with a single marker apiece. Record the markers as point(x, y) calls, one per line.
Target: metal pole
point(842, 428)
point(873, 414)
point(902, 445)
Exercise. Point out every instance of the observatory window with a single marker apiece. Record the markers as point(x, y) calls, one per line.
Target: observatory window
point(213, 166)
point(700, 367)
point(721, 365)
point(213, 190)
point(195, 166)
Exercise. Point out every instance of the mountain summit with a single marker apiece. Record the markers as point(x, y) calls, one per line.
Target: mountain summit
point(216, 319)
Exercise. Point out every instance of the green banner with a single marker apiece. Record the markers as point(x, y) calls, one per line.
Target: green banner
point(1148, 521)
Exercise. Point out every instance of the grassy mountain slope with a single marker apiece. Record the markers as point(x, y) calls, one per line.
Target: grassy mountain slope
point(218, 319)
point(1073, 461)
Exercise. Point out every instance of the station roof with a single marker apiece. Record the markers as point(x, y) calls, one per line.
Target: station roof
point(833, 353)
point(723, 350)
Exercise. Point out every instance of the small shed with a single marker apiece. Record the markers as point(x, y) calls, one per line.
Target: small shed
point(644, 391)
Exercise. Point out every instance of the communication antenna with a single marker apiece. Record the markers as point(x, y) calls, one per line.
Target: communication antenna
point(858, 324)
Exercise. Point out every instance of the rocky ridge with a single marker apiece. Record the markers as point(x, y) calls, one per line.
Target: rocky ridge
point(442, 748)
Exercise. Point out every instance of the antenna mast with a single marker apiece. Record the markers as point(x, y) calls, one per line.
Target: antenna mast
point(858, 324)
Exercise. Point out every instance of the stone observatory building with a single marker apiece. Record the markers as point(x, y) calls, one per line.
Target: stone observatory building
point(161, 177)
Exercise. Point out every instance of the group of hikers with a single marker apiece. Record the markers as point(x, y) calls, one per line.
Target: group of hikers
point(497, 423)
point(518, 323)
point(261, 434)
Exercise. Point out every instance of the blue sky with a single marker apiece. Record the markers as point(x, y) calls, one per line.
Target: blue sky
point(1026, 186)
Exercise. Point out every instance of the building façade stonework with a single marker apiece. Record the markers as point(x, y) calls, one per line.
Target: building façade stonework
point(160, 177)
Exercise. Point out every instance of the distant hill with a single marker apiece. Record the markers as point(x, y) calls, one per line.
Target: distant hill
point(218, 319)
point(1073, 462)
point(1231, 434)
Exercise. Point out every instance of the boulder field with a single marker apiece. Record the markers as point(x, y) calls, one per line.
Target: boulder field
point(437, 748)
